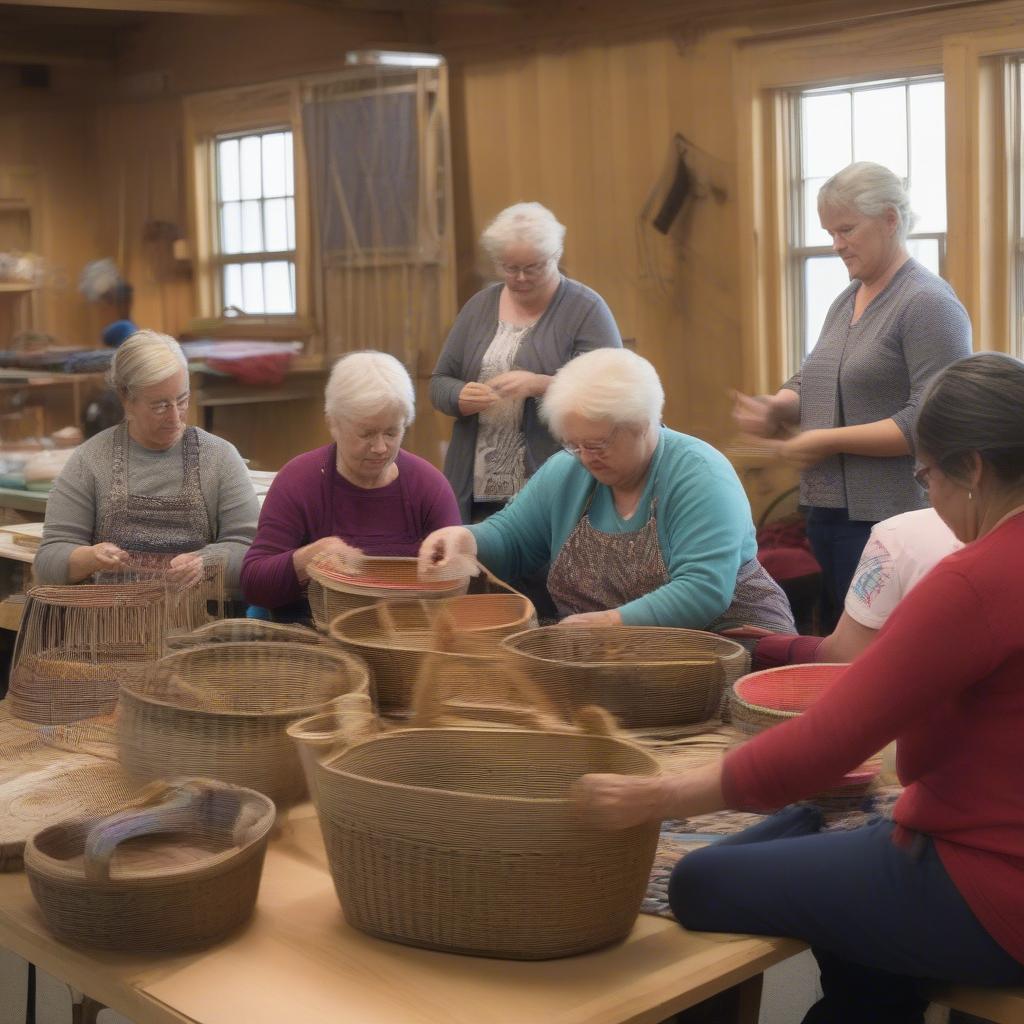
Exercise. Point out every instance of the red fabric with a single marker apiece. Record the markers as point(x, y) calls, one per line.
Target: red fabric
point(784, 550)
point(268, 369)
point(945, 676)
point(785, 649)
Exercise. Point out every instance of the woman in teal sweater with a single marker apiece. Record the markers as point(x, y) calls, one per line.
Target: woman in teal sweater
point(641, 525)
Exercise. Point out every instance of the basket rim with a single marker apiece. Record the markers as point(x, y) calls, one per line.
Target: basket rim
point(133, 594)
point(803, 670)
point(439, 586)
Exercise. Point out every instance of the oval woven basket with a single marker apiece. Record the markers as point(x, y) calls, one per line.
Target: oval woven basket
point(221, 711)
point(647, 676)
point(334, 590)
point(394, 637)
point(153, 878)
point(467, 841)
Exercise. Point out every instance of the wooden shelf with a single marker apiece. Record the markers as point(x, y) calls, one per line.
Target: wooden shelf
point(16, 286)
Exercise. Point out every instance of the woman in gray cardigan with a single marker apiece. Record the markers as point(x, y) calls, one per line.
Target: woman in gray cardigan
point(856, 397)
point(507, 343)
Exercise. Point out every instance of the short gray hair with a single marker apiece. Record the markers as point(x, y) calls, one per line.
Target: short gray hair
point(870, 189)
point(611, 384)
point(146, 358)
point(363, 384)
point(524, 223)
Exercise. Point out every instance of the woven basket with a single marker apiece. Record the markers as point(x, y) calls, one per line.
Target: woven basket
point(761, 700)
point(221, 711)
point(154, 878)
point(647, 676)
point(334, 590)
point(394, 637)
point(468, 841)
point(244, 631)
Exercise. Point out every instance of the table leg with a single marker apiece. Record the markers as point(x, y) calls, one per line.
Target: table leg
point(740, 1004)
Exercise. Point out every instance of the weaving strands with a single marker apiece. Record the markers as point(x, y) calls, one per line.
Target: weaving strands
point(229, 631)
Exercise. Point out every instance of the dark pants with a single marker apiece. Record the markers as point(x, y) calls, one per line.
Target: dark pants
point(838, 542)
point(881, 919)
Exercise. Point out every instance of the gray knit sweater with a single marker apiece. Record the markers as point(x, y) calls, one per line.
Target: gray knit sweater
point(77, 503)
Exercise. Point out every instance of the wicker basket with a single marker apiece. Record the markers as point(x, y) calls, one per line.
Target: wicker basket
point(244, 631)
point(394, 637)
point(154, 878)
point(221, 711)
point(467, 840)
point(333, 589)
point(647, 676)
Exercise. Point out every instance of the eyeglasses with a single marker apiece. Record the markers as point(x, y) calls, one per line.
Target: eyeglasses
point(527, 270)
point(163, 408)
point(591, 447)
point(921, 475)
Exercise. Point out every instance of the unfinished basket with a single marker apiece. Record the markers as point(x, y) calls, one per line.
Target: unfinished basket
point(244, 631)
point(647, 676)
point(73, 644)
point(468, 840)
point(394, 637)
point(176, 872)
point(334, 588)
point(222, 710)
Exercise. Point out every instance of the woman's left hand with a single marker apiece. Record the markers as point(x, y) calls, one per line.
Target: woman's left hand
point(520, 384)
point(186, 569)
point(806, 448)
point(612, 617)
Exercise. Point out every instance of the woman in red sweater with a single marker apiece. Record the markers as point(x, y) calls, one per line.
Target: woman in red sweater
point(937, 893)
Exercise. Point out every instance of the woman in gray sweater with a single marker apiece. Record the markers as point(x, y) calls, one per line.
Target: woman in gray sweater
point(507, 343)
point(149, 484)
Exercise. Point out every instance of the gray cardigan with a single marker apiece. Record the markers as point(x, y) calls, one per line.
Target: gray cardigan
point(577, 320)
point(876, 368)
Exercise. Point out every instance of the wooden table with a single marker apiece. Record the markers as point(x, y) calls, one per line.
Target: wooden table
point(298, 961)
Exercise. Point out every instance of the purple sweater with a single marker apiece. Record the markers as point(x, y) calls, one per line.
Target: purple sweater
point(309, 499)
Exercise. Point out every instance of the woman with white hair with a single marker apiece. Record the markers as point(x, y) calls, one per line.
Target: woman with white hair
point(505, 346)
point(361, 494)
point(150, 483)
point(856, 397)
point(642, 525)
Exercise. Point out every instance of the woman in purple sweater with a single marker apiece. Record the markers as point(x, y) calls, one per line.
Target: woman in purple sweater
point(361, 494)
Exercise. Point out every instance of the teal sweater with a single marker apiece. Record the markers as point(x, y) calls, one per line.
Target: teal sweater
point(704, 528)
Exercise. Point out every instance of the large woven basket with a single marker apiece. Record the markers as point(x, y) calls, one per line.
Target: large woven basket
point(468, 841)
point(335, 589)
point(227, 631)
point(647, 676)
point(394, 637)
point(154, 878)
point(221, 711)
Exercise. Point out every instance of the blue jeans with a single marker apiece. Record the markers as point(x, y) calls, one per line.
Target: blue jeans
point(838, 542)
point(881, 919)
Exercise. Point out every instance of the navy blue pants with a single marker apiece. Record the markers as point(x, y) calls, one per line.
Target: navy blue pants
point(838, 542)
point(881, 920)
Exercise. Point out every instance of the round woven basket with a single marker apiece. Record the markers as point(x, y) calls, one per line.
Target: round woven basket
point(468, 841)
point(333, 590)
point(394, 637)
point(221, 711)
point(647, 676)
point(151, 879)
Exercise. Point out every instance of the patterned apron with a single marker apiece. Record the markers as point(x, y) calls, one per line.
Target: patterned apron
point(596, 571)
point(174, 524)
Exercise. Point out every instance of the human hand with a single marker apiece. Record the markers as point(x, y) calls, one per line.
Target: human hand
point(754, 414)
point(326, 547)
point(519, 384)
point(441, 551)
point(612, 617)
point(106, 556)
point(185, 569)
point(476, 397)
point(621, 801)
point(806, 448)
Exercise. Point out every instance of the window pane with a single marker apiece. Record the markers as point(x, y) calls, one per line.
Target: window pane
point(926, 251)
point(275, 220)
point(231, 227)
point(227, 168)
point(274, 177)
point(252, 285)
point(252, 229)
point(290, 208)
point(814, 233)
point(824, 278)
point(233, 286)
point(825, 134)
point(289, 164)
point(280, 294)
point(880, 127)
point(928, 156)
point(249, 160)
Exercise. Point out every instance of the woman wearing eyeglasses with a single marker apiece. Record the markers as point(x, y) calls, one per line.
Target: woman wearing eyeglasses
point(149, 484)
point(506, 344)
point(641, 525)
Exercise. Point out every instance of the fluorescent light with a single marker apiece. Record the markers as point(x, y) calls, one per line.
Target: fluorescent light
point(393, 59)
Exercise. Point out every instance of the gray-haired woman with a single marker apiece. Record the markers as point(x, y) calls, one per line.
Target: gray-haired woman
point(506, 344)
point(137, 486)
point(856, 396)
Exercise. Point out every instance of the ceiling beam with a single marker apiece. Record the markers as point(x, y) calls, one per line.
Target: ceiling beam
point(214, 7)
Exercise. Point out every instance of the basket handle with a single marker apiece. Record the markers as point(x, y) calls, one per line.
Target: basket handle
point(185, 807)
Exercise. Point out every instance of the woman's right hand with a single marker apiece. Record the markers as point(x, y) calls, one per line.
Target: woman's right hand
point(106, 556)
point(755, 414)
point(442, 550)
point(476, 397)
point(333, 546)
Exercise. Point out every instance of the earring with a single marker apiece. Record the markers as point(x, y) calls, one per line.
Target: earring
point(970, 495)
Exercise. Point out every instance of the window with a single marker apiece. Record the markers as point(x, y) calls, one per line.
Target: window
point(899, 123)
point(254, 186)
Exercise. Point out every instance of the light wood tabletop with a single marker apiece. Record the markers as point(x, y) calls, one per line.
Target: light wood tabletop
point(298, 961)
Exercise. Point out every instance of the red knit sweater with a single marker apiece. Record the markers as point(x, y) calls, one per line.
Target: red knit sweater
point(945, 677)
